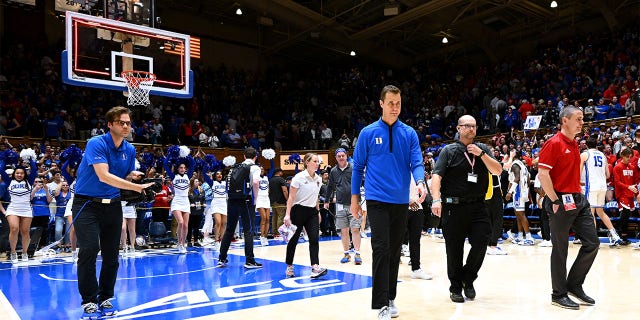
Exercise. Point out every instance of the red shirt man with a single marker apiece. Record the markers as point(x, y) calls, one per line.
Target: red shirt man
point(625, 180)
point(525, 109)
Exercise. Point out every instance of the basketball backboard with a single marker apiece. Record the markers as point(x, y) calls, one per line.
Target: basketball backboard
point(99, 49)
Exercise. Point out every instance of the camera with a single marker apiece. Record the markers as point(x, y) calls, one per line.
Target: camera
point(133, 198)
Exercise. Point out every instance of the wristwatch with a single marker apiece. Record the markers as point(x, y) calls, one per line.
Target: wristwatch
point(482, 154)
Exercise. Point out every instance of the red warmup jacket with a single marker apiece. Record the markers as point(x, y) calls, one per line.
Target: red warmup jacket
point(625, 175)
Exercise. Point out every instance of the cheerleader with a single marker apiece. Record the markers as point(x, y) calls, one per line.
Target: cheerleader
point(264, 206)
point(19, 212)
point(128, 222)
point(180, 207)
point(219, 206)
point(303, 211)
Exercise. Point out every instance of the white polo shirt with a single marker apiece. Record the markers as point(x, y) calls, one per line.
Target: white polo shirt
point(308, 188)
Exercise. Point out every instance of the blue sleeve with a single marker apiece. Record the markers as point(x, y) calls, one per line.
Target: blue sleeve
point(66, 174)
point(417, 166)
point(167, 168)
point(5, 177)
point(191, 167)
point(360, 154)
point(33, 173)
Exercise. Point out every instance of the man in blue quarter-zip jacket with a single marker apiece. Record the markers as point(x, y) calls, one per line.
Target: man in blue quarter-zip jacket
point(390, 151)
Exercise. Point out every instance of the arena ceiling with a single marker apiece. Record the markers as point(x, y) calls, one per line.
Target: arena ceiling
point(327, 30)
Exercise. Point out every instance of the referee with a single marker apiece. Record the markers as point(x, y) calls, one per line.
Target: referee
point(459, 184)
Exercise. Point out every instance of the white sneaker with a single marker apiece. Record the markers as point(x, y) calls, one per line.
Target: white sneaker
point(527, 242)
point(14, 258)
point(264, 241)
point(393, 310)
point(420, 274)
point(305, 236)
point(25, 257)
point(182, 249)
point(497, 251)
point(545, 243)
point(363, 235)
point(74, 255)
point(384, 313)
point(636, 245)
point(206, 241)
point(512, 237)
point(577, 241)
point(405, 250)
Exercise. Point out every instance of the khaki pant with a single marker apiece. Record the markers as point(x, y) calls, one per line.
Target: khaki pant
point(277, 219)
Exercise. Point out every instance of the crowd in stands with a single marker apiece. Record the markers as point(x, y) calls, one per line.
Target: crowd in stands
point(313, 108)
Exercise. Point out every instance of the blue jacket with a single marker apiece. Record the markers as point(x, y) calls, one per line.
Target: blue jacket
point(390, 154)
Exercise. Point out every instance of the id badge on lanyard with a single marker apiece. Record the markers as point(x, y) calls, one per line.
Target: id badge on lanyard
point(471, 177)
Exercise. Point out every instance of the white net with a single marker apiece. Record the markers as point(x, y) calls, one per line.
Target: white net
point(138, 84)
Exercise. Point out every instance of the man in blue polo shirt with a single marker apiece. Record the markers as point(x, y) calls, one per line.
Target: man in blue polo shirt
point(107, 165)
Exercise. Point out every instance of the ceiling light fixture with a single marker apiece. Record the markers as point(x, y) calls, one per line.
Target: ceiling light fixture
point(239, 11)
point(352, 53)
point(445, 40)
point(553, 4)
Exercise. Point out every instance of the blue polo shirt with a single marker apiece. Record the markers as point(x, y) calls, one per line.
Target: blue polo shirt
point(101, 149)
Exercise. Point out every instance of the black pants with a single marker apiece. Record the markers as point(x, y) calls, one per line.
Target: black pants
point(194, 227)
point(98, 227)
point(388, 223)
point(42, 222)
point(623, 223)
point(581, 221)
point(307, 218)
point(544, 225)
point(460, 221)
point(161, 215)
point(412, 236)
point(239, 209)
point(495, 206)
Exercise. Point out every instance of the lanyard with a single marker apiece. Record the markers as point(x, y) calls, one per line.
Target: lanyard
point(472, 163)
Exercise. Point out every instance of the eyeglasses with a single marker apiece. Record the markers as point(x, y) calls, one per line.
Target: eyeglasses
point(38, 181)
point(469, 126)
point(122, 123)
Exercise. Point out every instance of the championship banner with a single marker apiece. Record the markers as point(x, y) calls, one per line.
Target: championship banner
point(67, 5)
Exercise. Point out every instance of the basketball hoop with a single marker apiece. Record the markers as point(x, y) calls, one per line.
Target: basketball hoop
point(138, 84)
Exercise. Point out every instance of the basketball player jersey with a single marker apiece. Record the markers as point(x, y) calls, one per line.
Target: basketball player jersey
point(594, 171)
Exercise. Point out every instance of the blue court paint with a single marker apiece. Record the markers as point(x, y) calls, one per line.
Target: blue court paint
point(160, 283)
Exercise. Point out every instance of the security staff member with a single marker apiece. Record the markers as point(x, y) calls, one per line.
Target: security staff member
point(108, 160)
point(567, 207)
point(459, 184)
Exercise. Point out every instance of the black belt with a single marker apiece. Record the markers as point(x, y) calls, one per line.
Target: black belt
point(98, 200)
point(461, 200)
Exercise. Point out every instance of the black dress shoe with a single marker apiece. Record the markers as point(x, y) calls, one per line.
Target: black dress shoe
point(565, 302)
point(456, 297)
point(583, 297)
point(469, 291)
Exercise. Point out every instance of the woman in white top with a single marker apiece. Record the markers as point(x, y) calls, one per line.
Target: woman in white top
point(304, 212)
point(19, 213)
point(219, 206)
point(180, 206)
point(128, 223)
point(264, 207)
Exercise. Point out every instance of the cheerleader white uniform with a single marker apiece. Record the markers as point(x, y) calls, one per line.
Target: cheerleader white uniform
point(180, 200)
point(67, 209)
point(128, 212)
point(262, 200)
point(20, 204)
point(219, 201)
